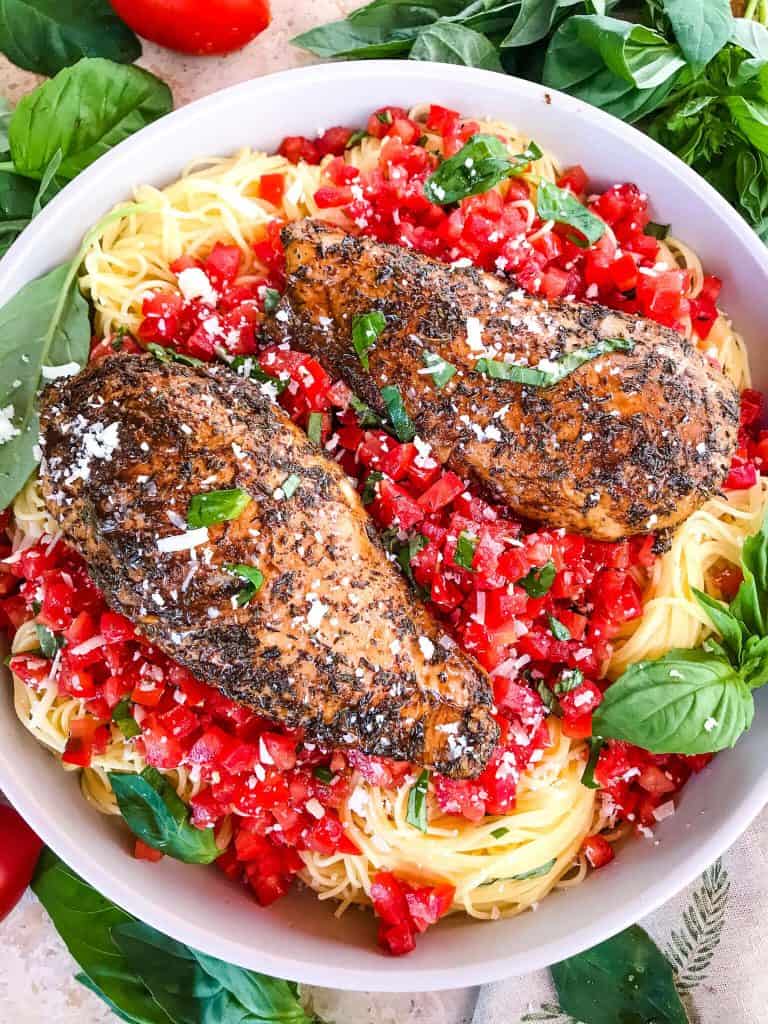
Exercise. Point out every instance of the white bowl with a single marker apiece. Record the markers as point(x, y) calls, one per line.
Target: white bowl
point(299, 938)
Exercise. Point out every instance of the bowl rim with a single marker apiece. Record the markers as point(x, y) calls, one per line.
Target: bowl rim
point(409, 977)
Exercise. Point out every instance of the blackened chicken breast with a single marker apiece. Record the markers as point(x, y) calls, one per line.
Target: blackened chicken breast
point(632, 441)
point(333, 641)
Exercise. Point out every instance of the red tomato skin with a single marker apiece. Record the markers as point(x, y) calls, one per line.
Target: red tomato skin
point(18, 856)
point(188, 26)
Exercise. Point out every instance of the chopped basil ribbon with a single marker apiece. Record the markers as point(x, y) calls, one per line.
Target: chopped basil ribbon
point(369, 490)
point(465, 550)
point(542, 869)
point(538, 581)
point(217, 507)
point(356, 138)
point(659, 231)
point(548, 699)
point(365, 332)
point(417, 802)
point(557, 369)
point(366, 417)
point(271, 299)
point(252, 369)
point(384, 116)
point(315, 427)
point(596, 744)
point(562, 206)
point(323, 774)
point(254, 580)
point(482, 162)
point(49, 641)
point(289, 485)
point(164, 354)
point(398, 417)
point(559, 631)
point(407, 551)
point(440, 370)
point(124, 720)
point(499, 833)
point(569, 679)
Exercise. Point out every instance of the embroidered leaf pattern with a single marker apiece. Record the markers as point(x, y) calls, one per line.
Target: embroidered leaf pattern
point(549, 1012)
point(691, 950)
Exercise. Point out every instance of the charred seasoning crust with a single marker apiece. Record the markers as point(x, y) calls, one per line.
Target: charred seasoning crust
point(631, 442)
point(368, 671)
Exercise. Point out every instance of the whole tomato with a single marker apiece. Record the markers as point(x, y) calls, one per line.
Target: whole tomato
point(196, 26)
point(19, 850)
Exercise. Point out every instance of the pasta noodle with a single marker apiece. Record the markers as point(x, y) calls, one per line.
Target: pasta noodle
point(503, 864)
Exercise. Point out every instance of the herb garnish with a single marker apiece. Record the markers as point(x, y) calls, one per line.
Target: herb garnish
point(271, 299)
point(366, 329)
point(165, 354)
point(217, 507)
point(417, 802)
point(482, 162)
point(50, 642)
point(538, 581)
point(441, 371)
point(465, 550)
point(557, 369)
point(596, 744)
point(290, 485)
point(370, 489)
point(315, 427)
point(251, 369)
point(562, 206)
point(398, 417)
point(254, 581)
point(499, 833)
point(124, 720)
point(559, 631)
point(323, 774)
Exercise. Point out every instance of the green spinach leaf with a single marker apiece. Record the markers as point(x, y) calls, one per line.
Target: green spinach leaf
point(686, 702)
point(156, 815)
point(627, 978)
point(85, 920)
point(84, 111)
point(701, 27)
point(45, 36)
point(455, 44)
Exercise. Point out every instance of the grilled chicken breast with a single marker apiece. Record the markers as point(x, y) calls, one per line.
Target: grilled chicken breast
point(333, 641)
point(630, 442)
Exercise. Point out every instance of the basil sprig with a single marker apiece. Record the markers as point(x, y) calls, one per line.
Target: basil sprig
point(699, 701)
point(562, 206)
point(254, 580)
point(157, 816)
point(217, 507)
point(557, 369)
point(365, 333)
point(481, 163)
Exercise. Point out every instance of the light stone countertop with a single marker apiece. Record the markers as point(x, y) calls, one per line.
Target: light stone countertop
point(36, 972)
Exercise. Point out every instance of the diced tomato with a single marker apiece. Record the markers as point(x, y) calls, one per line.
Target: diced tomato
point(575, 179)
point(30, 669)
point(441, 493)
point(428, 904)
point(598, 851)
point(272, 188)
point(143, 852)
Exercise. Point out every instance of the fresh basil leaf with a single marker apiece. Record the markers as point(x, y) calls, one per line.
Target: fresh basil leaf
point(626, 978)
point(569, 679)
point(122, 716)
point(45, 36)
point(498, 370)
point(290, 485)
point(562, 206)
point(401, 422)
point(44, 324)
point(535, 20)
point(596, 745)
point(84, 920)
point(50, 642)
point(349, 41)
point(417, 802)
point(482, 162)
point(5, 119)
point(548, 698)
point(246, 366)
point(654, 230)
point(323, 774)
point(440, 370)
point(217, 507)
point(84, 111)
point(366, 417)
point(268, 999)
point(254, 580)
point(315, 427)
point(750, 36)
point(754, 661)
point(407, 551)
point(542, 869)
point(557, 369)
point(365, 333)
point(166, 354)
point(455, 44)
point(558, 630)
point(687, 702)
point(750, 605)
point(726, 624)
point(156, 815)
point(465, 550)
point(701, 27)
point(47, 181)
point(370, 490)
point(538, 581)
point(18, 197)
point(499, 833)
point(271, 299)
point(751, 117)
